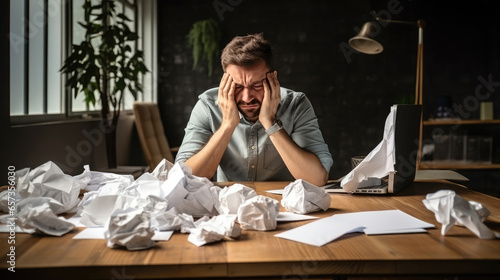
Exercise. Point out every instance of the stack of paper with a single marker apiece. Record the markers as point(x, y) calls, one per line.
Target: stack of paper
point(321, 232)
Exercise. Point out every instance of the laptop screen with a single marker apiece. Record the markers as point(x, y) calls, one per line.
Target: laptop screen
point(406, 139)
point(405, 151)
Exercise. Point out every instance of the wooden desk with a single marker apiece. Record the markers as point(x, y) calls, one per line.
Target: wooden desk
point(261, 254)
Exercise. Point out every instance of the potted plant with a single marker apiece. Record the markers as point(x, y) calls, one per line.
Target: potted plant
point(204, 38)
point(104, 65)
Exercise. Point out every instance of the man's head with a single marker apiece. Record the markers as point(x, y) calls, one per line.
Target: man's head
point(247, 50)
point(248, 59)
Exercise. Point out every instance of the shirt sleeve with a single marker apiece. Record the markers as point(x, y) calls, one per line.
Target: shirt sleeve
point(306, 132)
point(197, 132)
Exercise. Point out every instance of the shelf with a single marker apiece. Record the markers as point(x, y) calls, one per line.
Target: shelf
point(456, 165)
point(459, 122)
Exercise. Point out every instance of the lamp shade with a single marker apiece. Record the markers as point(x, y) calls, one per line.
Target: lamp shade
point(364, 42)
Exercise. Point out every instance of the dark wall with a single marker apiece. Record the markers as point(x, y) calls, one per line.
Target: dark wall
point(351, 92)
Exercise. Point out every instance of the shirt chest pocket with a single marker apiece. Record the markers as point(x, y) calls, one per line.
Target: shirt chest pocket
point(272, 159)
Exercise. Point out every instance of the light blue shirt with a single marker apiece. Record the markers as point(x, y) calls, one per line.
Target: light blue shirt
point(250, 154)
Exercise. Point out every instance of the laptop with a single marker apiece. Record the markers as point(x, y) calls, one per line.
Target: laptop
point(406, 137)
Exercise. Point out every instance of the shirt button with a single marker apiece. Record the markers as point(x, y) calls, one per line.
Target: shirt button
point(253, 166)
point(253, 147)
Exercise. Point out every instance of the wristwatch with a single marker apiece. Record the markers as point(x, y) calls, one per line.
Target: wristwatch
point(277, 126)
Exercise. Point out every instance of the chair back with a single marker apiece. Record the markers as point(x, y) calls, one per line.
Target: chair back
point(151, 134)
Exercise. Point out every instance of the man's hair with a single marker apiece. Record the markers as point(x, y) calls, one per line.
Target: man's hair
point(247, 50)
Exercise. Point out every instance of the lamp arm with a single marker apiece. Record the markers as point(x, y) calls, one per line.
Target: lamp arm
point(396, 21)
point(420, 23)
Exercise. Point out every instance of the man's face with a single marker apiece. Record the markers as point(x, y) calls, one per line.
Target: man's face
point(249, 88)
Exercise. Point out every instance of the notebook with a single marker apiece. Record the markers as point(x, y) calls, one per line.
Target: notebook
point(406, 137)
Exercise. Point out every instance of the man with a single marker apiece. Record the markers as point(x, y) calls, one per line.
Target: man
point(251, 129)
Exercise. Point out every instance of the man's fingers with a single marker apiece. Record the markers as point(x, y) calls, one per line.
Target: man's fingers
point(223, 80)
point(267, 89)
point(273, 80)
point(230, 94)
point(228, 85)
point(274, 86)
point(221, 87)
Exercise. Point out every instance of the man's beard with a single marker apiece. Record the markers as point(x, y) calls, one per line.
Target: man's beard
point(250, 115)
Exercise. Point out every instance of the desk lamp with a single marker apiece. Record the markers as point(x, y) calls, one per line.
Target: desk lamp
point(364, 43)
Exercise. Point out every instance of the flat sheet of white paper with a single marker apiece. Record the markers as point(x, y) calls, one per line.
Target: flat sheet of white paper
point(91, 233)
point(384, 221)
point(280, 191)
point(290, 217)
point(162, 235)
point(98, 233)
point(75, 219)
point(321, 232)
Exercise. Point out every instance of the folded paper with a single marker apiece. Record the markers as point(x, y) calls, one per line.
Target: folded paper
point(302, 197)
point(110, 180)
point(378, 163)
point(145, 186)
point(450, 209)
point(97, 213)
point(161, 170)
point(369, 222)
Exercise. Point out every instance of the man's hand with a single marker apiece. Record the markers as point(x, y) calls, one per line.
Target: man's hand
point(272, 98)
point(205, 162)
point(226, 102)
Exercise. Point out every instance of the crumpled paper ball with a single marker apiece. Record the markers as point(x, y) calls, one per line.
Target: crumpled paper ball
point(259, 213)
point(38, 213)
point(173, 220)
point(450, 209)
point(217, 228)
point(48, 180)
point(230, 198)
point(481, 211)
point(6, 196)
point(196, 196)
point(200, 202)
point(302, 197)
point(129, 228)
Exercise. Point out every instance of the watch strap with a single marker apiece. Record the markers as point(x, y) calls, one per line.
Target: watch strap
point(277, 126)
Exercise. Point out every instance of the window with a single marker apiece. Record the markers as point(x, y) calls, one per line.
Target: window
point(35, 83)
point(41, 34)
